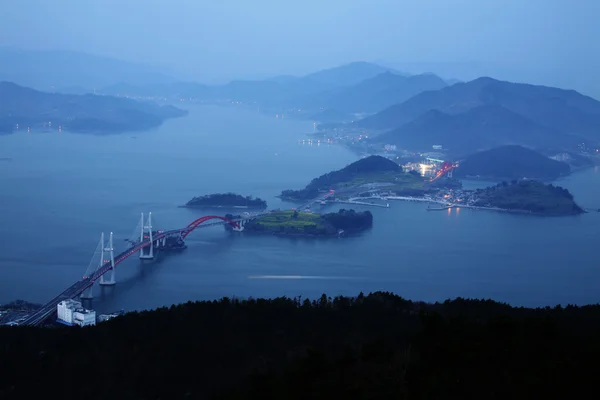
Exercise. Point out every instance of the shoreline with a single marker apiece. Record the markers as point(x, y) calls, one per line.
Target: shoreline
point(222, 206)
point(481, 208)
point(307, 235)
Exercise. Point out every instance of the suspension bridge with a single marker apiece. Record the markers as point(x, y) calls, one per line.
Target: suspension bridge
point(149, 243)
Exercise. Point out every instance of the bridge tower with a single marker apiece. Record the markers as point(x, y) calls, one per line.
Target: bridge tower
point(240, 226)
point(146, 233)
point(111, 259)
point(449, 174)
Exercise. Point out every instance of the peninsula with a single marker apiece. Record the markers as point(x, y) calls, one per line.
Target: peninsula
point(296, 223)
point(227, 200)
point(22, 108)
point(369, 173)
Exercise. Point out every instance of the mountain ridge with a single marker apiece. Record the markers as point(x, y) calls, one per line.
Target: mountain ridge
point(476, 129)
point(565, 110)
point(511, 162)
point(372, 94)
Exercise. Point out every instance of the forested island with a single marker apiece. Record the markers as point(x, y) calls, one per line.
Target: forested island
point(224, 200)
point(360, 175)
point(369, 346)
point(297, 223)
point(530, 196)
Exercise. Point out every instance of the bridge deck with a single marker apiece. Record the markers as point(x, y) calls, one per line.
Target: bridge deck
point(80, 286)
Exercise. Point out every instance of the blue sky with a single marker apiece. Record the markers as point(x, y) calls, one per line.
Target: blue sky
point(551, 40)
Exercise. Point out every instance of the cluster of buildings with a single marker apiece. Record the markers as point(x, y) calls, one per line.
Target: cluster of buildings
point(71, 312)
point(457, 197)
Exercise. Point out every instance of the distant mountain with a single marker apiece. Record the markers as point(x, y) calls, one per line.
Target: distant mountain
point(564, 110)
point(452, 81)
point(348, 74)
point(72, 90)
point(283, 78)
point(174, 90)
point(511, 162)
point(332, 115)
point(285, 91)
point(265, 93)
point(50, 70)
point(478, 128)
point(87, 113)
point(373, 94)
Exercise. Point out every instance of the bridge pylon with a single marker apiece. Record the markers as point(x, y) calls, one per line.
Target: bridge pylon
point(111, 259)
point(146, 253)
point(240, 226)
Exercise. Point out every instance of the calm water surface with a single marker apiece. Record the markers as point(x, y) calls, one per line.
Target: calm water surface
point(59, 191)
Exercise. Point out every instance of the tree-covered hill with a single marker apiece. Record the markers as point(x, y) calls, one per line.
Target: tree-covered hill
point(363, 167)
point(378, 346)
point(511, 162)
point(531, 196)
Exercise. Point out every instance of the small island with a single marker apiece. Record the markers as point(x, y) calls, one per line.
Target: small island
point(297, 223)
point(528, 196)
point(227, 200)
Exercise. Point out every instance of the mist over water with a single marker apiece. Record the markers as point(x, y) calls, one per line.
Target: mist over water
point(61, 190)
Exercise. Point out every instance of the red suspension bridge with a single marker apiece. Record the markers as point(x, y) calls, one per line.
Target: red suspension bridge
point(149, 242)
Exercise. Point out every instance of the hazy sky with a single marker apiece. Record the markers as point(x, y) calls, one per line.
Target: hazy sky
point(222, 39)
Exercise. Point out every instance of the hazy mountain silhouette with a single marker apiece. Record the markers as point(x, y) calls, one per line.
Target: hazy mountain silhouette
point(332, 115)
point(349, 74)
point(478, 128)
point(50, 70)
point(87, 113)
point(563, 110)
point(277, 91)
point(373, 94)
point(511, 162)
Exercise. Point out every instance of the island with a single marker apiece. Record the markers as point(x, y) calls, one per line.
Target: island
point(298, 223)
point(511, 162)
point(227, 200)
point(27, 108)
point(372, 173)
point(527, 196)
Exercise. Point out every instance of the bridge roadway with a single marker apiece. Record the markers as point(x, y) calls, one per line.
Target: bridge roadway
point(80, 286)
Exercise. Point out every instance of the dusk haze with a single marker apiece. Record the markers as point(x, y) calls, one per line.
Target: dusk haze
point(317, 199)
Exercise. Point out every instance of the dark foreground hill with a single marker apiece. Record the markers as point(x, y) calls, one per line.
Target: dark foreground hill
point(79, 113)
point(566, 111)
point(511, 162)
point(379, 346)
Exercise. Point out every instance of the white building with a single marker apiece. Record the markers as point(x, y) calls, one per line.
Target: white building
point(83, 317)
point(70, 312)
